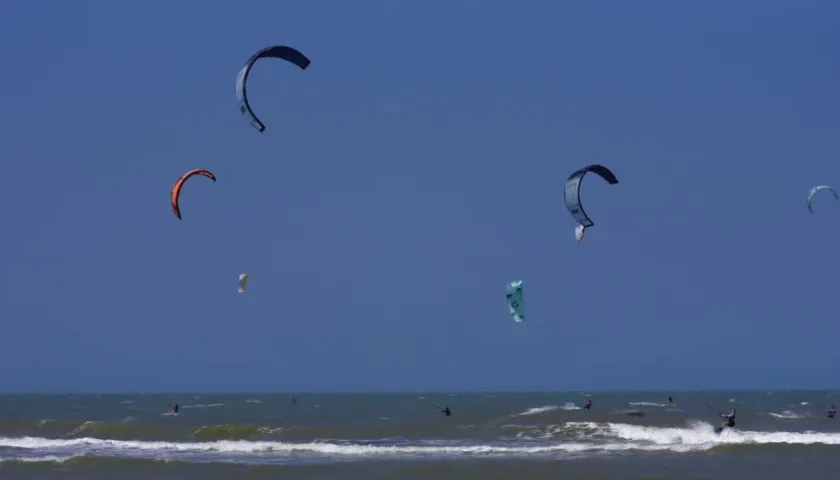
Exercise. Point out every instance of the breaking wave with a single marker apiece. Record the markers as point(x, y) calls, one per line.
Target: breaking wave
point(567, 440)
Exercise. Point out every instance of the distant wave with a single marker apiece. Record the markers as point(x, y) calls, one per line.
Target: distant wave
point(232, 432)
point(787, 414)
point(201, 405)
point(568, 406)
point(649, 404)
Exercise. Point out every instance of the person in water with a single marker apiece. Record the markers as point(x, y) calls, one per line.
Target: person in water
point(730, 419)
point(832, 411)
point(587, 404)
point(444, 410)
point(176, 408)
point(670, 399)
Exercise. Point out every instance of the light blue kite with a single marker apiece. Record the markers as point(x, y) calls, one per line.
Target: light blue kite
point(516, 301)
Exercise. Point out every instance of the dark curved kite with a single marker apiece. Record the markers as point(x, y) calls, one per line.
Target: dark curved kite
point(288, 54)
point(572, 192)
point(176, 189)
point(817, 189)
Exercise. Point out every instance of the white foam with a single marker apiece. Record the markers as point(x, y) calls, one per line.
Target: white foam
point(115, 447)
point(701, 433)
point(44, 459)
point(201, 405)
point(787, 414)
point(568, 406)
point(570, 438)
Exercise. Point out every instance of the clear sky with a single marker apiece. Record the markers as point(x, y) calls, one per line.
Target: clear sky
point(412, 171)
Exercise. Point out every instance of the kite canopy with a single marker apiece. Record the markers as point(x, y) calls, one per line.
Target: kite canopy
point(176, 189)
point(817, 189)
point(516, 300)
point(572, 191)
point(288, 54)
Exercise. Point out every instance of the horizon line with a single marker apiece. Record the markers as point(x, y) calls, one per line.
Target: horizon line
point(407, 392)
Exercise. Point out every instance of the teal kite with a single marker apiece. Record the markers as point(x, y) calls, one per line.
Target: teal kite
point(516, 301)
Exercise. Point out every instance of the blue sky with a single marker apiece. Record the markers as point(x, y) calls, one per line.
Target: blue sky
point(412, 171)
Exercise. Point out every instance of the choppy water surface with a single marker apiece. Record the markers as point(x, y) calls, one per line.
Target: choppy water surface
point(521, 436)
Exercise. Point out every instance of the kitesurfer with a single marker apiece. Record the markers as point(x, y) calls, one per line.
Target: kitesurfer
point(670, 400)
point(832, 411)
point(444, 410)
point(294, 399)
point(730, 419)
point(587, 404)
point(176, 408)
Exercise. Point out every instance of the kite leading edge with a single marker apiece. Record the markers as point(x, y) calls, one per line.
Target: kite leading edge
point(572, 196)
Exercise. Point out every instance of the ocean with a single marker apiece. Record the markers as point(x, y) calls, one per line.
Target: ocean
point(519, 436)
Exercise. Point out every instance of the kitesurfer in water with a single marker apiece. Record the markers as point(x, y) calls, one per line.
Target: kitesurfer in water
point(670, 399)
point(832, 411)
point(444, 410)
point(176, 408)
point(730, 419)
point(587, 404)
